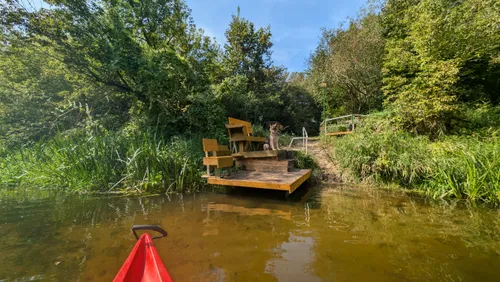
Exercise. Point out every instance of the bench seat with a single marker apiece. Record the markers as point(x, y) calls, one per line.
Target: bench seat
point(217, 156)
point(218, 162)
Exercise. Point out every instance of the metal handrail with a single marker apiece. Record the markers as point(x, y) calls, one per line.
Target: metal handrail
point(304, 138)
point(352, 116)
point(341, 117)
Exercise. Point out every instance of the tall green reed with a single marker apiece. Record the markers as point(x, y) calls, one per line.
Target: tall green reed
point(458, 167)
point(108, 162)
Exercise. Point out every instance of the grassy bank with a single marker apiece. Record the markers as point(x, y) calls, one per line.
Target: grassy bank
point(109, 162)
point(463, 167)
point(106, 163)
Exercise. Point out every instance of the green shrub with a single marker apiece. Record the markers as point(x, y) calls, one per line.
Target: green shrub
point(259, 130)
point(285, 139)
point(375, 151)
point(306, 161)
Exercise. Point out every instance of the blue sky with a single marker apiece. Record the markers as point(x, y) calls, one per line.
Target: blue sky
point(295, 24)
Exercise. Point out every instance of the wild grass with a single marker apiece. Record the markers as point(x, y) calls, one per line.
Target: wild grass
point(306, 161)
point(467, 168)
point(463, 167)
point(106, 163)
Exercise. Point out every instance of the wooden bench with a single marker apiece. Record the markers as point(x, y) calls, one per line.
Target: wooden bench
point(217, 156)
point(240, 135)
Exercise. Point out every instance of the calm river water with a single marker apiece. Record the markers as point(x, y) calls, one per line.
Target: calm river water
point(331, 233)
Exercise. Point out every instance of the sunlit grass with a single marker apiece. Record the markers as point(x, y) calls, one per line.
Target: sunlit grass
point(463, 167)
point(106, 163)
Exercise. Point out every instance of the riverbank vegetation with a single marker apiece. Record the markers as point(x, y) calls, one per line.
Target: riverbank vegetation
point(113, 161)
point(449, 166)
point(115, 95)
point(427, 73)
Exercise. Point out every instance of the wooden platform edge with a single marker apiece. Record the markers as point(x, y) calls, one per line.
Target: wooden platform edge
point(260, 185)
point(247, 183)
point(299, 182)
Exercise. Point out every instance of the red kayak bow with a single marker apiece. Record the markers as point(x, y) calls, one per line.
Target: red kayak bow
point(144, 263)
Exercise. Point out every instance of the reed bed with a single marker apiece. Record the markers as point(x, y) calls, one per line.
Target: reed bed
point(107, 162)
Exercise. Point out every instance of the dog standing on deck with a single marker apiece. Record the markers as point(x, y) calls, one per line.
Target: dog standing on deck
point(274, 135)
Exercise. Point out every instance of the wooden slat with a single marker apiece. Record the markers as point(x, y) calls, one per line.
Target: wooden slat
point(264, 165)
point(219, 162)
point(223, 148)
point(301, 180)
point(210, 145)
point(231, 126)
point(222, 153)
point(260, 154)
point(242, 122)
point(256, 139)
point(237, 136)
point(289, 181)
point(229, 181)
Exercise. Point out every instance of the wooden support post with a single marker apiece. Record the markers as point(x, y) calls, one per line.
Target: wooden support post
point(352, 122)
point(217, 172)
point(208, 167)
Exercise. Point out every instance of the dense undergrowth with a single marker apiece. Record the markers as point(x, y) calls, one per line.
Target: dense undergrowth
point(463, 167)
point(105, 163)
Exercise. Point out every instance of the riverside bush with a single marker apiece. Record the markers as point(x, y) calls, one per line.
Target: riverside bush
point(459, 167)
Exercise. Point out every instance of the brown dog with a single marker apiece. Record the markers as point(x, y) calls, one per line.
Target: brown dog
point(274, 135)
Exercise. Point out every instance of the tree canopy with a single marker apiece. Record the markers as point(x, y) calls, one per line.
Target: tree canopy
point(348, 61)
point(439, 54)
point(144, 66)
point(133, 65)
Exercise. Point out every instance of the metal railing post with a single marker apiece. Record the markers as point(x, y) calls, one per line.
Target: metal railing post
point(305, 137)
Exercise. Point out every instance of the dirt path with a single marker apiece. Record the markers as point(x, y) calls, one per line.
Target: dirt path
point(322, 156)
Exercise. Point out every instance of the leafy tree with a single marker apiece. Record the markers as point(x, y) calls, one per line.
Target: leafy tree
point(149, 50)
point(349, 61)
point(252, 86)
point(248, 51)
point(300, 109)
point(40, 97)
point(439, 54)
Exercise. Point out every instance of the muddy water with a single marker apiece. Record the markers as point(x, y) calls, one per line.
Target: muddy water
point(319, 234)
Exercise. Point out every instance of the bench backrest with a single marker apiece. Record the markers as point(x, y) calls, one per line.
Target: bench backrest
point(211, 145)
point(246, 124)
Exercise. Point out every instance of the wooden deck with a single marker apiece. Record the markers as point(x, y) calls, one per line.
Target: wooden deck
point(284, 181)
point(260, 154)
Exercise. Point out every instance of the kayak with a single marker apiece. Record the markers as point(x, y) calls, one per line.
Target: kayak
point(144, 263)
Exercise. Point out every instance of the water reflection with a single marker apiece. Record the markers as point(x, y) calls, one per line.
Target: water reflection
point(323, 234)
